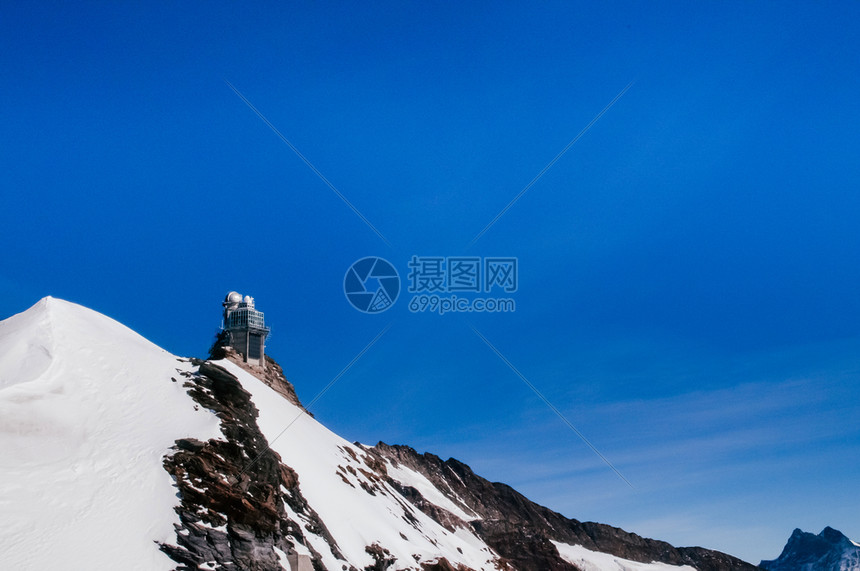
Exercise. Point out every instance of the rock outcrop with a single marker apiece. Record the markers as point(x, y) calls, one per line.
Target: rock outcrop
point(233, 491)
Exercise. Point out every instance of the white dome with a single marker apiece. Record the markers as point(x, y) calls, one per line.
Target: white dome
point(234, 297)
point(249, 301)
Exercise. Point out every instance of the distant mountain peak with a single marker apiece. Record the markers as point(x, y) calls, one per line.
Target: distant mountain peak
point(830, 550)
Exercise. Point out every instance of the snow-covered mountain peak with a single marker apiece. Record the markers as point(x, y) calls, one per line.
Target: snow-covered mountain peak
point(85, 418)
point(29, 341)
point(26, 344)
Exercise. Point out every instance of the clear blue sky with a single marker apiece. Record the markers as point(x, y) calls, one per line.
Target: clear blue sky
point(688, 270)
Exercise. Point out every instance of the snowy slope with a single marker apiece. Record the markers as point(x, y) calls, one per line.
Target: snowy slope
point(87, 411)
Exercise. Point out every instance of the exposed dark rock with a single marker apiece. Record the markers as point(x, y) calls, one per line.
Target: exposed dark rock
point(382, 558)
point(448, 520)
point(219, 345)
point(233, 491)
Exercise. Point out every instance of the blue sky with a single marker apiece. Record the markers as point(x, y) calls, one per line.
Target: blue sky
point(688, 270)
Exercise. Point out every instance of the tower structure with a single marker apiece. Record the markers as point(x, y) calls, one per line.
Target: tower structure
point(245, 327)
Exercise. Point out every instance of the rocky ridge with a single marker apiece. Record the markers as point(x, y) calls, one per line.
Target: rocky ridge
point(522, 531)
point(242, 507)
point(234, 491)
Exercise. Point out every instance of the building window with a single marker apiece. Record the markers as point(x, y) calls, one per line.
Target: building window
point(255, 346)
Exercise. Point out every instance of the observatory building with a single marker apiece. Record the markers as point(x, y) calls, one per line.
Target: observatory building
point(245, 328)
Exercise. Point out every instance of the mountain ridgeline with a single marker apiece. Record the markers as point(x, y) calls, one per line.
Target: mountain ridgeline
point(241, 518)
point(125, 455)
